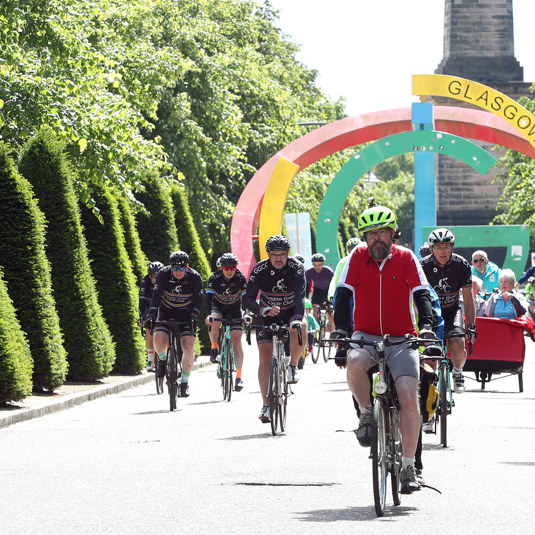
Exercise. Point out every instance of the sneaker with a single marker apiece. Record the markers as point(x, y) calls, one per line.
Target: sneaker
point(184, 390)
point(214, 352)
point(265, 415)
point(409, 481)
point(458, 382)
point(292, 375)
point(428, 427)
point(160, 368)
point(149, 367)
point(238, 384)
point(364, 430)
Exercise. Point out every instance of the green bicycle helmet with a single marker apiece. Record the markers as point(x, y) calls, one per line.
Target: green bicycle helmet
point(376, 217)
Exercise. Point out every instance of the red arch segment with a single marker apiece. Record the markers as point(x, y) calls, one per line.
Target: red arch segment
point(351, 131)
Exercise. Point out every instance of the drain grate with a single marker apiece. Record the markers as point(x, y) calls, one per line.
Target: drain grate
point(274, 484)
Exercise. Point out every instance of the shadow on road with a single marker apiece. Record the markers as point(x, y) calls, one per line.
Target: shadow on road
point(356, 514)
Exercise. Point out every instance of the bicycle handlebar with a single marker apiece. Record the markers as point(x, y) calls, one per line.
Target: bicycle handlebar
point(275, 328)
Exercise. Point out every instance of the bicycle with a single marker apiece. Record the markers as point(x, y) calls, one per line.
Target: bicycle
point(278, 387)
point(227, 365)
point(445, 391)
point(173, 367)
point(322, 343)
point(386, 447)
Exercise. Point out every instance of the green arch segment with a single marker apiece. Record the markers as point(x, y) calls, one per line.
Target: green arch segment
point(364, 160)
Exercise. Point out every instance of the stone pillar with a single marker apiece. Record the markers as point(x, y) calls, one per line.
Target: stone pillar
point(479, 46)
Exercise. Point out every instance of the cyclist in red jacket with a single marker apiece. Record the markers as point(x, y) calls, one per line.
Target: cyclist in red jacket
point(385, 280)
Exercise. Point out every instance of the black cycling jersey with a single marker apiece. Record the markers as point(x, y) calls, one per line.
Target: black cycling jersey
point(223, 293)
point(284, 287)
point(145, 295)
point(447, 281)
point(183, 296)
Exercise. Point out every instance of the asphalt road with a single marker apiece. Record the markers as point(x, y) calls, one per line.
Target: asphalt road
point(125, 464)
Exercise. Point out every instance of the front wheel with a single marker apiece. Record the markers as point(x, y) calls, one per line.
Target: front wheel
point(319, 344)
point(226, 370)
point(379, 453)
point(443, 408)
point(172, 377)
point(274, 393)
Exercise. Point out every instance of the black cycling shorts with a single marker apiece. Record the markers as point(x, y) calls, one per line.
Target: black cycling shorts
point(165, 314)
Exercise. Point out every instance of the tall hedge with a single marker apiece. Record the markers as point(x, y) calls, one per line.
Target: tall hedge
point(88, 341)
point(26, 267)
point(156, 223)
point(15, 358)
point(190, 242)
point(117, 289)
point(131, 239)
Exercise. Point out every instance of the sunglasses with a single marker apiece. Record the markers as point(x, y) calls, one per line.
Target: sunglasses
point(476, 260)
point(229, 268)
point(179, 268)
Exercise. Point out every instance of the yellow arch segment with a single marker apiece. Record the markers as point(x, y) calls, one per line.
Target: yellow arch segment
point(274, 201)
point(485, 97)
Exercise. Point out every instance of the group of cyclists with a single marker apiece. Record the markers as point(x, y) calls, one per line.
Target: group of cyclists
point(382, 289)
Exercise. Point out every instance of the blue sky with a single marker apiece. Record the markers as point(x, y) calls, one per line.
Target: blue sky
point(367, 50)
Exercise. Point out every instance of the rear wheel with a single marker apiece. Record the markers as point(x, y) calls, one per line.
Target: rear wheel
point(396, 455)
point(318, 339)
point(283, 373)
point(326, 348)
point(379, 453)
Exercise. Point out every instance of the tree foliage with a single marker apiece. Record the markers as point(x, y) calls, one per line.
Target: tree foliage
point(115, 281)
point(26, 267)
point(156, 223)
point(131, 238)
point(15, 356)
point(91, 351)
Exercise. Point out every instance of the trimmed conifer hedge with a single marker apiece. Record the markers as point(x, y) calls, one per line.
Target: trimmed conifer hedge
point(26, 267)
point(88, 341)
point(156, 223)
point(15, 358)
point(116, 284)
point(190, 242)
point(131, 239)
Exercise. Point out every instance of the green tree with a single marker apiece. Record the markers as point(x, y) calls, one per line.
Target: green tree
point(26, 267)
point(87, 338)
point(131, 238)
point(156, 223)
point(15, 357)
point(516, 203)
point(115, 281)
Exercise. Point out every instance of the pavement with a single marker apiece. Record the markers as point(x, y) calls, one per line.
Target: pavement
point(71, 394)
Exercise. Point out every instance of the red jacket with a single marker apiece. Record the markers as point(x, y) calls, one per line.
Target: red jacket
point(383, 292)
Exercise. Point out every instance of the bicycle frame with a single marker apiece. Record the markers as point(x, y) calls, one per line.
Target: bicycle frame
point(227, 365)
point(173, 371)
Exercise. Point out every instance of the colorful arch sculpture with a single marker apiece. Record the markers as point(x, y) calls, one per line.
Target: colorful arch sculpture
point(416, 140)
point(467, 123)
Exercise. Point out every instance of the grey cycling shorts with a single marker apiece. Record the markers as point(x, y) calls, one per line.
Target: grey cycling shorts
point(402, 359)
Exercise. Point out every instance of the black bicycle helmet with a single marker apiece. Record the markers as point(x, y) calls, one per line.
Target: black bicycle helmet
point(424, 250)
point(277, 243)
point(318, 257)
point(300, 258)
point(179, 258)
point(228, 259)
point(441, 235)
point(154, 267)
